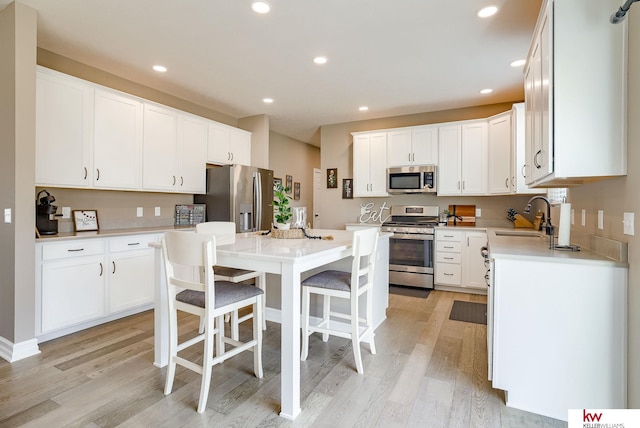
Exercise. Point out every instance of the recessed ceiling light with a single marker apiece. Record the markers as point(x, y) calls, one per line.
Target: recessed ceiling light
point(488, 11)
point(320, 60)
point(486, 91)
point(160, 68)
point(260, 7)
point(363, 108)
point(518, 63)
point(267, 100)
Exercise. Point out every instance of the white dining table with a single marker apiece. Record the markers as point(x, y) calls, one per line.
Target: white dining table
point(288, 258)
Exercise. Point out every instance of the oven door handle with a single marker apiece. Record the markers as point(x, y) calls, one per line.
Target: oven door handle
point(414, 236)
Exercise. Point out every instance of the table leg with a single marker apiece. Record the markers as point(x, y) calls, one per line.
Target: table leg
point(290, 342)
point(160, 313)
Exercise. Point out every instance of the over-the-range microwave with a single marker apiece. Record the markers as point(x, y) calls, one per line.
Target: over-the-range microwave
point(412, 179)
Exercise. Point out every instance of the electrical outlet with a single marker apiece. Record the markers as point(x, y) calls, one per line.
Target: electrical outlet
point(629, 223)
point(157, 212)
point(600, 219)
point(139, 212)
point(66, 212)
point(7, 215)
point(584, 217)
point(573, 216)
point(478, 212)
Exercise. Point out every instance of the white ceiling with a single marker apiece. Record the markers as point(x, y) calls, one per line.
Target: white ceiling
point(396, 56)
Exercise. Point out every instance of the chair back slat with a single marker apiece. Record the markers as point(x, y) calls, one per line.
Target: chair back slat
point(365, 243)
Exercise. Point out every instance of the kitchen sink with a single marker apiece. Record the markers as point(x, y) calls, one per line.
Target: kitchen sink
point(519, 233)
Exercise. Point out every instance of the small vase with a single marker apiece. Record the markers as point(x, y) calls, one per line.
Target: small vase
point(283, 226)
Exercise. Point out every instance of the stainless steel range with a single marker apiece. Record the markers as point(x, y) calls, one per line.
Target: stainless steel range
point(411, 246)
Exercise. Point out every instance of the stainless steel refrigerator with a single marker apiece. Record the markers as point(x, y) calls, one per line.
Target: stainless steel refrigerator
point(238, 193)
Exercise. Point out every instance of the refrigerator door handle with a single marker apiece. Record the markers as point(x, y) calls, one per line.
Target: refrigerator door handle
point(257, 201)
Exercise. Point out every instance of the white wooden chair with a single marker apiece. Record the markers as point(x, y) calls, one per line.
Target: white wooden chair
point(208, 299)
point(332, 283)
point(225, 233)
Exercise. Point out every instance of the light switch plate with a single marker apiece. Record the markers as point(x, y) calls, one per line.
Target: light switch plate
point(573, 216)
point(584, 217)
point(478, 212)
point(629, 223)
point(66, 212)
point(139, 212)
point(7, 215)
point(157, 212)
point(600, 219)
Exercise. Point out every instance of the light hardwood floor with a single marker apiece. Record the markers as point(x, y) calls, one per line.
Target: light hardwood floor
point(429, 372)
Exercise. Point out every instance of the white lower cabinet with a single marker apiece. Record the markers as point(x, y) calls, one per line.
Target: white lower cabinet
point(131, 272)
point(458, 261)
point(84, 282)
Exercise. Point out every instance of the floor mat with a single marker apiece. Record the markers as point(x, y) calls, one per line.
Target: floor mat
point(469, 312)
point(409, 291)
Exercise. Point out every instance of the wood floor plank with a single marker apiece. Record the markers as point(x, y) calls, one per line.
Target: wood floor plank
point(429, 371)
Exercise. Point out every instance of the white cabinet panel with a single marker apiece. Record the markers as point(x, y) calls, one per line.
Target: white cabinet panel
point(131, 279)
point(412, 146)
point(192, 146)
point(370, 164)
point(160, 148)
point(117, 140)
point(474, 270)
point(458, 259)
point(500, 158)
point(63, 130)
point(449, 172)
point(474, 158)
point(228, 145)
point(72, 291)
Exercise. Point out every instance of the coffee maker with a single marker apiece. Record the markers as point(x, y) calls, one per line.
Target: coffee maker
point(45, 212)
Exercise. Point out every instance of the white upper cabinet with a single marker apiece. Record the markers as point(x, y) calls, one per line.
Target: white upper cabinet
point(117, 140)
point(64, 107)
point(173, 151)
point(520, 168)
point(412, 146)
point(500, 159)
point(575, 86)
point(462, 164)
point(228, 145)
point(370, 164)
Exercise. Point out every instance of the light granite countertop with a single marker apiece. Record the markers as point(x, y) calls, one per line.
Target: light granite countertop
point(109, 233)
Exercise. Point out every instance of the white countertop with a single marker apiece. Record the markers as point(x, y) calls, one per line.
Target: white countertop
point(537, 248)
point(110, 233)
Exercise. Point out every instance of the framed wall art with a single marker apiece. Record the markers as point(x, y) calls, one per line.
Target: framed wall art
point(276, 181)
point(332, 178)
point(289, 183)
point(347, 188)
point(296, 191)
point(85, 220)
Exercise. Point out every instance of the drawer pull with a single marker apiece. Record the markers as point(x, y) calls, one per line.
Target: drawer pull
point(448, 258)
point(76, 249)
point(447, 247)
point(448, 274)
point(448, 236)
point(134, 243)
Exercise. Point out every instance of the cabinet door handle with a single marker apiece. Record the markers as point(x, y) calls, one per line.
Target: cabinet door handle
point(467, 241)
point(458, 184)
point(174, 180)
point(535, 159)
point(75, 250)
point(463, 184)
point(101, 269)
point(409, 156)
point(97, 174)
point(134, 243)
point(181, 181)
point(524, 174)
point(114, 267)
point(506, 182)
point(85, 172)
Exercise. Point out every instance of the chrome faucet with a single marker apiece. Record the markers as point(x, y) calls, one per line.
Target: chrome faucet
point(548, 227)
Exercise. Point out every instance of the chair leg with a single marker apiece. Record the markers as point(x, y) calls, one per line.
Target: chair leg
point(235, 330)
point(206, 364)
point(261, 283)
point(326, 311)
point(355, 340)
point(305, 324)
point(219, 337)
point(173, 346)
point(257, 335)
point(201, 327)
point(369, 321)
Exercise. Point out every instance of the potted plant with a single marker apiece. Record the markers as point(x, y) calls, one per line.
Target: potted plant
point(282, 207)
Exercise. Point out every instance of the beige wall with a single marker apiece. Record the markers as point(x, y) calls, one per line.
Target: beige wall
point(337, 152)
point(619, 195)
point(17, 143)
point(288, 156)
point(259, 127)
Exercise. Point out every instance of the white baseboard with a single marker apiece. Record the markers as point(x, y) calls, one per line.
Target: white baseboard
point(17, 351)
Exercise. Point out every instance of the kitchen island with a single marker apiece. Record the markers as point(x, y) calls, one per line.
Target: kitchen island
point(556, 325)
